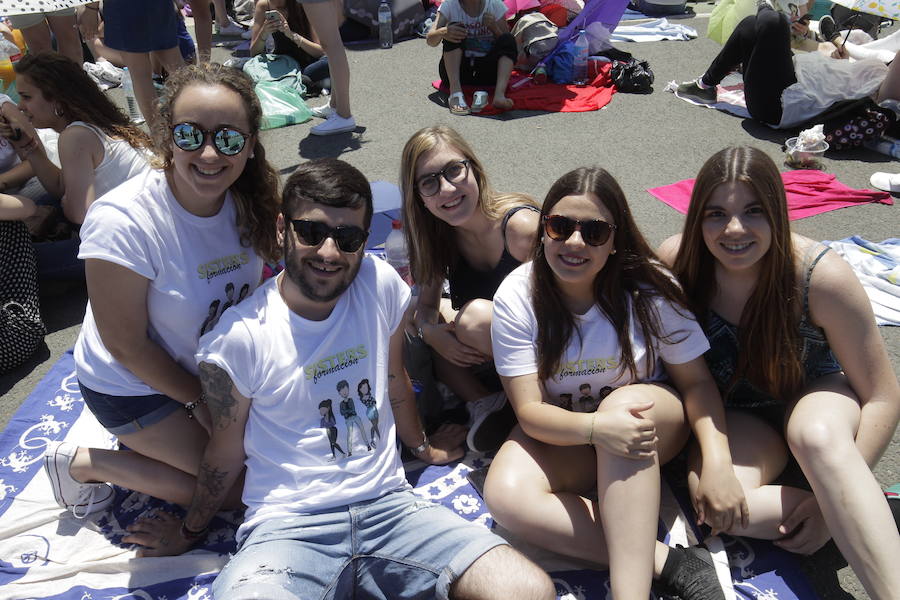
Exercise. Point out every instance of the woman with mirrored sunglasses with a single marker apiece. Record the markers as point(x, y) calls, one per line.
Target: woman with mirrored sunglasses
point(460, 230)
point(164, 255)
point(98, 146)
point(800, 364)
point(604, 367)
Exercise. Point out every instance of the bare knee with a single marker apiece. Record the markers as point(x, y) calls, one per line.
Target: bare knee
point(473, 323)
point(817, 439)
point(503, 490)
point(502, 572)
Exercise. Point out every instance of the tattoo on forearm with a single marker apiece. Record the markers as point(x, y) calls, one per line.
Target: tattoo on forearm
point(210, 492)
point(217, 388)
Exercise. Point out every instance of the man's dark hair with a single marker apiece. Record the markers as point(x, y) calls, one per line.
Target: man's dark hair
point(331, 182)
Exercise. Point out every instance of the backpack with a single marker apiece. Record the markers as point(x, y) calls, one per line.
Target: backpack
point(536, 35)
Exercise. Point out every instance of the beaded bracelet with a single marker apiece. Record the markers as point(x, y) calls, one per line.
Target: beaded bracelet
point(190, 406)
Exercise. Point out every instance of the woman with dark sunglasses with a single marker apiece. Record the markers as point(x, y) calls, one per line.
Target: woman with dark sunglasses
point(800, 363)
point(460, 230)
point(162, 251)
point(595, 314)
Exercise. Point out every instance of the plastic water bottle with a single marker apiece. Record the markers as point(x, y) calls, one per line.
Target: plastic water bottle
point(540, 74)
point(134, 111)
point(582, 51)
point(396, 253)
point(885, 145)
point(9, 55)
point(385, 25)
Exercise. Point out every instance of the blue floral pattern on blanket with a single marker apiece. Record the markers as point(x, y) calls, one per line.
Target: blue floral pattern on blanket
point(45, 553)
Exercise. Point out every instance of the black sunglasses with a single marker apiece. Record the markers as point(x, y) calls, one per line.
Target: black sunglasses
point(227, 140)
point(594, 232)
point(455, 172)
point(347, 237)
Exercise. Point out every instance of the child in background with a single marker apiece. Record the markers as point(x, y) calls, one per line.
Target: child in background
point(478, 49)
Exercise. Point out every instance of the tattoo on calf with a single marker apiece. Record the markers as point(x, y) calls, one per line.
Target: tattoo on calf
point(217, 388)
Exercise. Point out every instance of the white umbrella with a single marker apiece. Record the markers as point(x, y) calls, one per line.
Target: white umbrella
point(27, 7)
point(889, 9)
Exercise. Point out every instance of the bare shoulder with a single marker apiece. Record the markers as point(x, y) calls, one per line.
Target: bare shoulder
point(668, 250)
point(522, 232)
point(835, 293)
point(79, 139)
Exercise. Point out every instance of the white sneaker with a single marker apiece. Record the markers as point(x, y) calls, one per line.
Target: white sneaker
point(80, 498)
point(232, 29)
point(489, 423)
point(333, 124)
point(889, 182)
point(323, 112)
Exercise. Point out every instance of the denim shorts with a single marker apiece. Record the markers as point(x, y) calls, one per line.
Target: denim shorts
point(122, 415)
point(394, 547)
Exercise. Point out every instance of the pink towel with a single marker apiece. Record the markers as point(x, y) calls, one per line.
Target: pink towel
point(808, 193)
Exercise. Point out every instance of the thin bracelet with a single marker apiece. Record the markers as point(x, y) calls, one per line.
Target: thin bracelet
point(190, 406)
point(192, 535)
point(591, 436)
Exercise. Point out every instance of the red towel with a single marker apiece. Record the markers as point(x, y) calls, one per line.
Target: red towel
point(808, 193)
point(551, 97)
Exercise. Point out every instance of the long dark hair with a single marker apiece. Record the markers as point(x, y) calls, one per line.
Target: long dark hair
point(631, 279)
point(431, 241)
point(61, 80)
point(296, 18)
point(256, 189)
point(767, 333)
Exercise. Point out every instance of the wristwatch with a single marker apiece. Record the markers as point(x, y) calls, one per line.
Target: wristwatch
point(421, 447)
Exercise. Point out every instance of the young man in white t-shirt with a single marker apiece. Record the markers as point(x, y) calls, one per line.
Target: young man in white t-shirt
point(321, 523)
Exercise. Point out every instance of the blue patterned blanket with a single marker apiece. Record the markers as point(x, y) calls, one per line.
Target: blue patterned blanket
point(45, 553)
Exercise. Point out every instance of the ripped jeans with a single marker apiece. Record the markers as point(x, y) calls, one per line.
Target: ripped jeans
point(394, 547)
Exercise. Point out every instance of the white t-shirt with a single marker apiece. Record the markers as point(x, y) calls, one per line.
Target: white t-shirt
point(594, 359)
point(120, 161)
point(197, 268)
point(303, 456)
point(478, 37)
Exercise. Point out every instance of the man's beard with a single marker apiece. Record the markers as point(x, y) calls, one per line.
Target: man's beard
point(295, 270)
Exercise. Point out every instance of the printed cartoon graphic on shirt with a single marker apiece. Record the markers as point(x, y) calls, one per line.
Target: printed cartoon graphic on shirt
point(329, 424)
point(478, 39)
point(351, 419)
point(215, 314)
point(586, 401)
point(365, 397)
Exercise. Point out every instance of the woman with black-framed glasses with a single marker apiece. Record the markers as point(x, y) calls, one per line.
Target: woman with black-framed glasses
point(604, 367)
point(164, 254)
point(460, 230)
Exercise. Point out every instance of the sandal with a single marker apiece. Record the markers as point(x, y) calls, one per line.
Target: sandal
point(479, 101)
point(457, 104)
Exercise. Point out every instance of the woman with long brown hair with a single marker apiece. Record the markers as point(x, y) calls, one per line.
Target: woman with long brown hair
point(162, 251)
point(98, 147)
point(603, 364)
point(800, 364)
point(460, 230)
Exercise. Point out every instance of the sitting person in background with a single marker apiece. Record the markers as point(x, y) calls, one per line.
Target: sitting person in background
point(292, 35)
point(99, 148)
point(36, 29)
point(596, 307)
point(478, 49)
point(21, 328)
point(460, 230)
point(783, 90)
point(800, 364)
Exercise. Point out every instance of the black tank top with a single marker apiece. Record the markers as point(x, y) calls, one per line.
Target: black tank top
point(283, 45)
point(468, 283)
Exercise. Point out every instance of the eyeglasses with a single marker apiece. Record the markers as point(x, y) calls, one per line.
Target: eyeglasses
point(227, 140)
point(455, 172)
point(347, 237)
point(594, 232)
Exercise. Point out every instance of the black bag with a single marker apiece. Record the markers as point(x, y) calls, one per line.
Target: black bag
point(632, 76)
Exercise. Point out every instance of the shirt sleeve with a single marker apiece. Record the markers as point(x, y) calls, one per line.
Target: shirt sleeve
point(110, 234)
point(229, 346)
point(513, 328)
point(686, 338)
point(446, 9)
point(498, 9)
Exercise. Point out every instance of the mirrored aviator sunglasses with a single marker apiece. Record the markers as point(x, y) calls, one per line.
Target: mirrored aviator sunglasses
point(348, 238)
point(226, 140)
point(594, 232)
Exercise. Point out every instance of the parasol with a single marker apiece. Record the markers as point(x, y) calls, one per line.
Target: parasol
point(889, 9)
point(27, 7)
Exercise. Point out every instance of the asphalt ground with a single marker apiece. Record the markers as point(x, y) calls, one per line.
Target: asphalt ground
point(643, 140)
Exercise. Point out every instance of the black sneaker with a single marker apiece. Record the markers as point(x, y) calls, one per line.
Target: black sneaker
point(492, 420)
point(691, 574)
point(828, 29)
point(692, 91)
